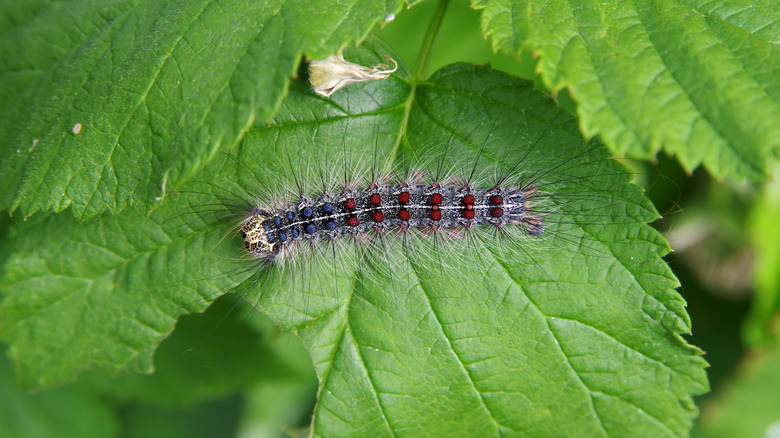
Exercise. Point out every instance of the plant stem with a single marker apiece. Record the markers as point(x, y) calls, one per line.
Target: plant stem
point(428, 41)
point(419, 68)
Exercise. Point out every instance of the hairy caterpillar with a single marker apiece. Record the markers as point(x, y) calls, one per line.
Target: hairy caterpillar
point(568, 200)
point(400, 207)
point(483, 195)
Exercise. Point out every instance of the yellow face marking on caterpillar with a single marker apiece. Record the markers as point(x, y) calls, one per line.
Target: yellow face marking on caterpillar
point(256, 238)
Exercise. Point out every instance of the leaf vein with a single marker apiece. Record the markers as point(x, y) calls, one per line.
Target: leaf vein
point(377, 399)
point(463, 366)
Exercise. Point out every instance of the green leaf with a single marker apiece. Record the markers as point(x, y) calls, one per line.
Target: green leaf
point(748, 407)
point(157, 88)
point(99, 295)
point(698, 79)
point(503, 348)
point(578, 331)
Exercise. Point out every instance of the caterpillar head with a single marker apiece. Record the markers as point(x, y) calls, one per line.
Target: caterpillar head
point(258, 240)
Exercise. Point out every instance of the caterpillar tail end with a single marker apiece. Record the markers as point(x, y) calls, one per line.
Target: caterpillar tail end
point(534, 225)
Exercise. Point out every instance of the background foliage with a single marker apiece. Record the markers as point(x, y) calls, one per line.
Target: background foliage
point(698, 81)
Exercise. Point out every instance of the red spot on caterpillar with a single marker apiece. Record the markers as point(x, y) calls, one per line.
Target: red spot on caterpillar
point(497, 212)
point(496, 200)
point(349, 203)
point(375, 199)
point(468, 199)
point(377, 216)
point(352, 221)
point(403, 197)
point(468, 214)
point(403, 215)
point(436, 198)
point(435, 215)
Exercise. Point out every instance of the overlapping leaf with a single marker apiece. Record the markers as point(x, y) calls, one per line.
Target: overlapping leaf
point(155, 87)
point(698, 79)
